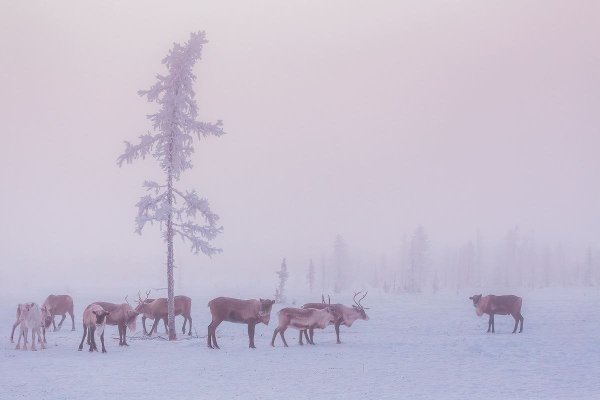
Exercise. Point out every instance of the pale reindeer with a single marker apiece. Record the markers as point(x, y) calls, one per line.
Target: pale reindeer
point(44, 315)
point(94, 321)
point(30, 318)
point(502, 305)
point(250, 312)
point(121, 315)
point(158, 309)
point(301, 319)
point(61, 304)
point(344, 315)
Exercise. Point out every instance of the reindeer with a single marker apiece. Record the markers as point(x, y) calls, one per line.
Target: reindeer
point(157, 310)
point(250, 312)
point(144, 316)
point(122, 315)
point(94, 320)
point(61, 304)
point(502, 305)
point(30, 318)
point(44, 314)
point(343, 315)
point(302, 319)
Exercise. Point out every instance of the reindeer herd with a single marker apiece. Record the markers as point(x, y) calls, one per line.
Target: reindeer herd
point(311, 316)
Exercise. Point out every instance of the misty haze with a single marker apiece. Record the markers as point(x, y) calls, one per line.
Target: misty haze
point(349, 176)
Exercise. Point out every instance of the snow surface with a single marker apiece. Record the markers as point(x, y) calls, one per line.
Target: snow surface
point(414, 346)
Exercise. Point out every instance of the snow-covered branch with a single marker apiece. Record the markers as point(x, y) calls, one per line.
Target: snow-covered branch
point(140, 150)
point(190, 232)
point(150, 208)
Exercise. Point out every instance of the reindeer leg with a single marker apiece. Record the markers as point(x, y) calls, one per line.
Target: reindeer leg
point(91, 333)
point(83, 338)
point(493, 324)
point(300, 333)
point(274, 336)
point(13, 331)
point(166, 326)
point(144, 324)
point(154, 325)
point(308, 339)
point(337, 333)
point(214, 338)
point(102, 341)
point(19, 341)
point(489, 324)
point(184, 322)
point(72, 320)
point(120, 334)
point(53, 323)
point(522, 319)
point(312, 335)
point(281, 332)
point(33, 340)
point(516, 323)
point(209, 335)
point(190, 328)
point(61, 321)
point(251, 327)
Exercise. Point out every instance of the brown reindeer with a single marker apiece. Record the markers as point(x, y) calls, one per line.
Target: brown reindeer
point(344, 315)
point(61, 304)
point(157, 310)
point(144, 317)
point(94, 320)
point(301, 319)
point(502, 305)
point(249, 312)
point(122, 315)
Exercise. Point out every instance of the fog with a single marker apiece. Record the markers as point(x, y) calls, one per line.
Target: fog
point(476, 121)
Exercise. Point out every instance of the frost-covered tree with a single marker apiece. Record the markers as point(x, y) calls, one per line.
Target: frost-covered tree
point(310, 276)
point(175, 126)
point(283, 275)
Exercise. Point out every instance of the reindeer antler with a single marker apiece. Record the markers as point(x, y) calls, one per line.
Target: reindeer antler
point(126, 301)
point(359, 300)
point(140, 296)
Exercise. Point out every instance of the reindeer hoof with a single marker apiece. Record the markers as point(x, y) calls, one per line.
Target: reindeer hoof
point(72, 329)
point(104, 350)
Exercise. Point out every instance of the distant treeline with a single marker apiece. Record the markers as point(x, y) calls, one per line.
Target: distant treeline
point(417, 265)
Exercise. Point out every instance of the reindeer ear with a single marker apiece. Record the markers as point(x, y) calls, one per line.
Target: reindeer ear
point(261, 300)
point(471, 298)
point(94, 312)
point(272, 301)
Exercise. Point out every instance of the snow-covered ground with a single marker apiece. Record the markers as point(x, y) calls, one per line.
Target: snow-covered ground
point(414, 346)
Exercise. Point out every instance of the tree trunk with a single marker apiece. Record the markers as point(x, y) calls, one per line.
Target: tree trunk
point(170, 280)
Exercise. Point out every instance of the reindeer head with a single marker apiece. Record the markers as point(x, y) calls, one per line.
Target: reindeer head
point(142, 303)
point(264, 312)
point(46, 316)
point(332, 314)
point(130, 316)
point(100, 316)
point(476, 298)
point(359, 307)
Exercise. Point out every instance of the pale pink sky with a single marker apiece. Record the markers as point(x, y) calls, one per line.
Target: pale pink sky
point(360, 118)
